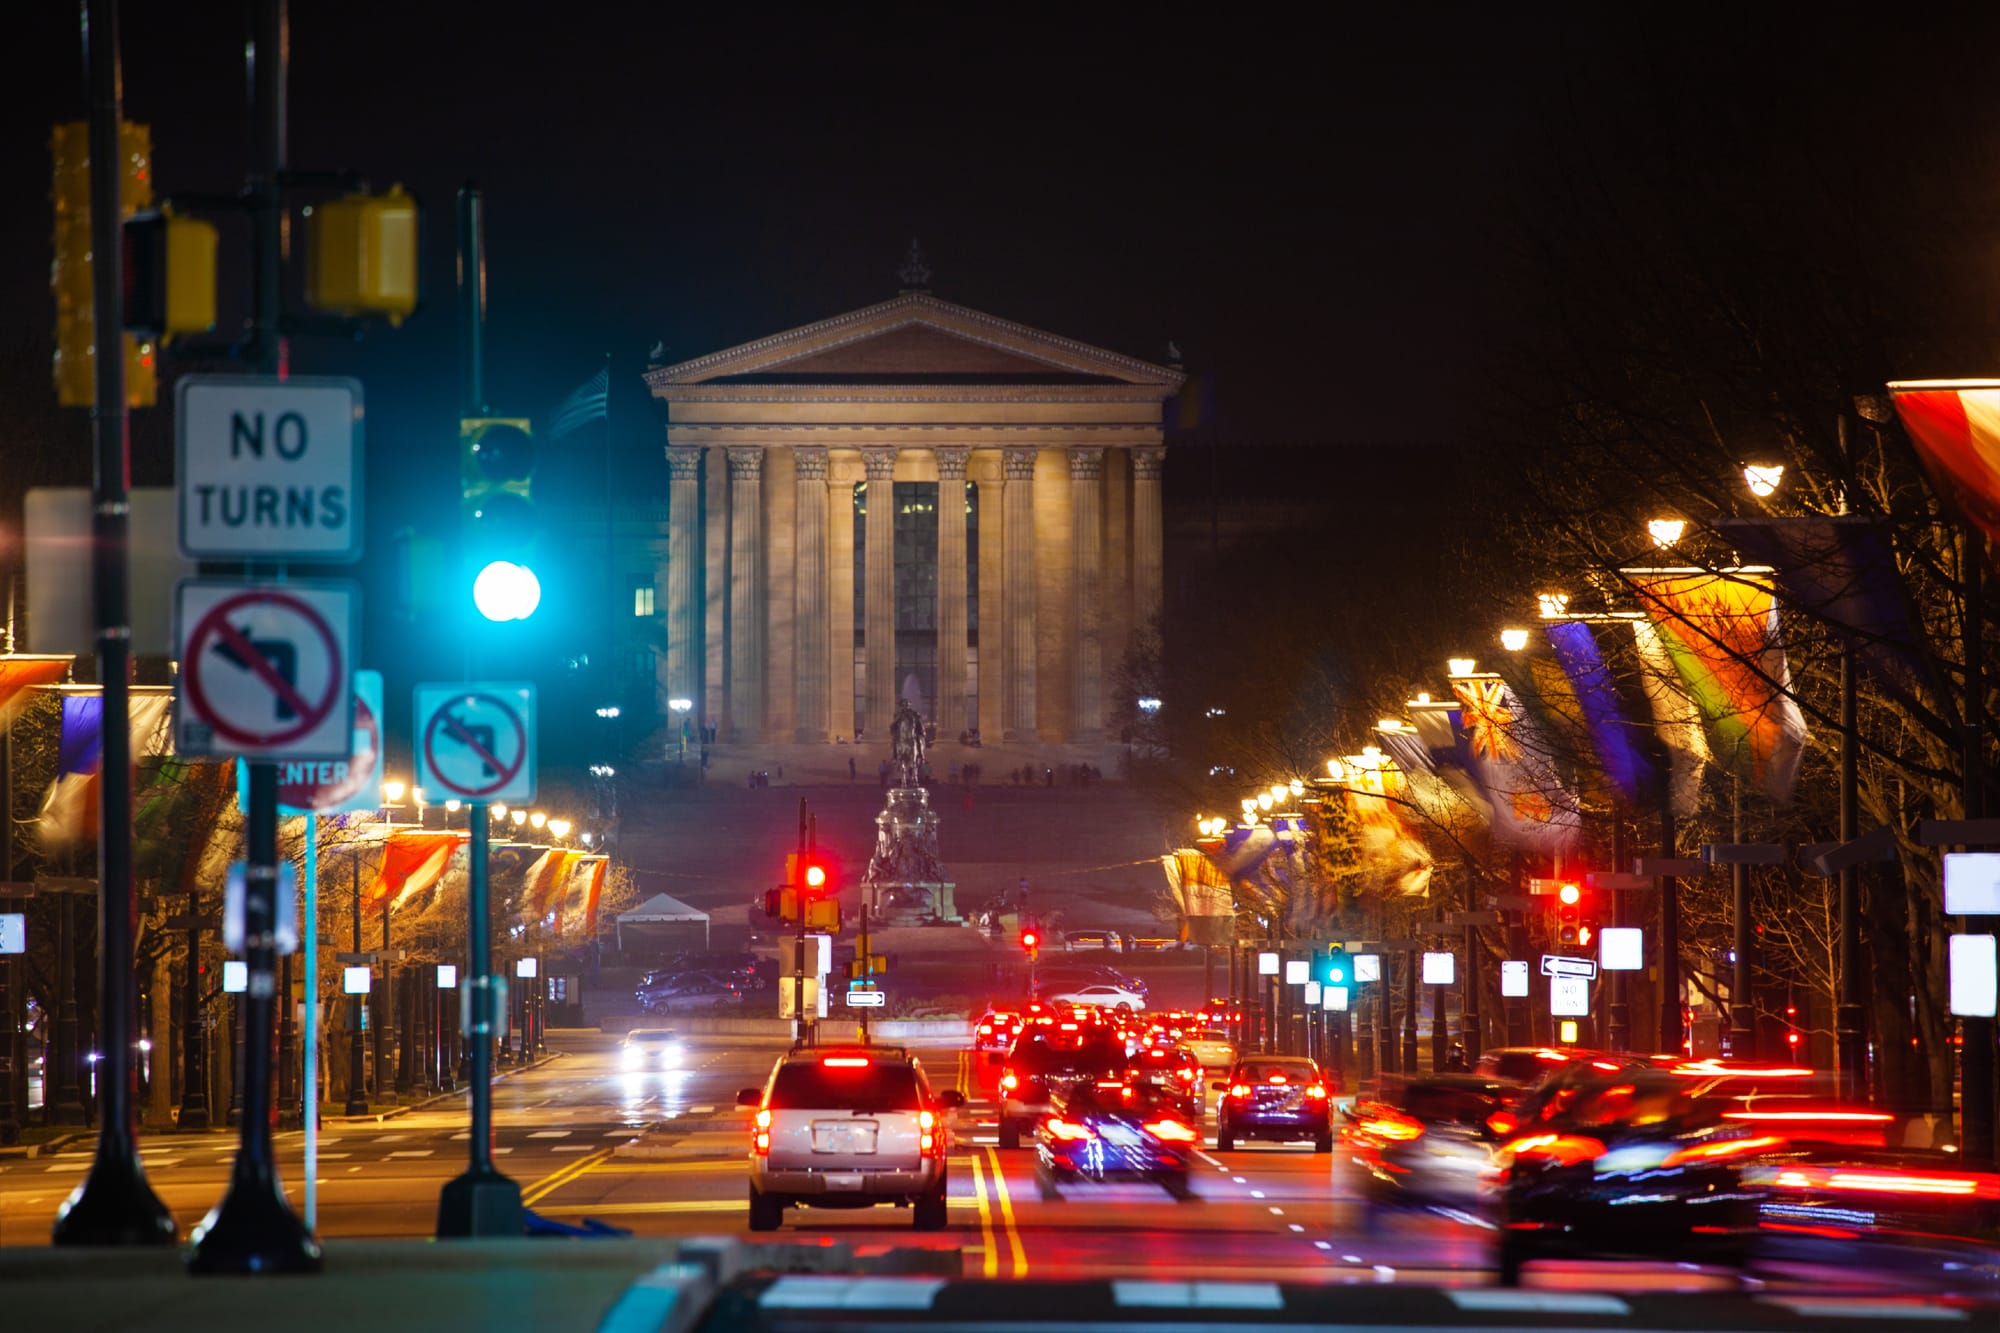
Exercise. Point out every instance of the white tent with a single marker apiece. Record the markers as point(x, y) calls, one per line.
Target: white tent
point(663, 921)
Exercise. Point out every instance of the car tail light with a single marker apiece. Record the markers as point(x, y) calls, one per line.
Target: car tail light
point(1068, 1131)
point(760, 1142)
point(1239, 1091)
point(926, 1121)
point(1943, 1183)
point(1171, 1131)
point(1395, 1128)
point(1723, 1149)
point(1111, 1083)
point(845, 1062)
point(1187, 1075)
point(1316, 1092)
point(1564, 1149)
point(1502, 1122)
point(1277, 1078)
point(1008, 1082)
point(985, 1029)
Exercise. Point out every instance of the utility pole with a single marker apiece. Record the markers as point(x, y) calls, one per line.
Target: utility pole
point(1742, 1014)
point(1976, 1129)
point(357, 1051)
point(114, 1205)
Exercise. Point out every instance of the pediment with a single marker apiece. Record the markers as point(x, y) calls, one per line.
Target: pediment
point(915, 338)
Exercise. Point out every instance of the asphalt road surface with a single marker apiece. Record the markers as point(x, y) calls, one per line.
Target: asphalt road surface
point(662, 1153)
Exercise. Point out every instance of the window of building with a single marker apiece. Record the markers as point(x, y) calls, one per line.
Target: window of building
point(642, 595)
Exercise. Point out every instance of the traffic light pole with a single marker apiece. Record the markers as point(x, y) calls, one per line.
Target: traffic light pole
point(114, 1205)
point(482, 1201)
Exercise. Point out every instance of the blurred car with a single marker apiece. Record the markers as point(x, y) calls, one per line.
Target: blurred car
point(1077, 940)
point(995, 1031)
point(1103, 996)
point(1920, 1206)
point(1211, 1046)
point(1427, 1142)
point(649, 1049)
point(1059, 978)
point(1157, 944)
point(848, 1127)
point(1045, 1063)
point(1174, 1071)
point(1104, 1131)
point(683, 994)
point(1275, 1098)
point(1636, 1163)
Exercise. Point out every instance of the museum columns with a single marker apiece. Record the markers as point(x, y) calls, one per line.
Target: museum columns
point(1086, 485)
point(746, 594)
point(683, 537)
point(1147, 538)
point(879, 591)
point(952, 572)
point(811, 663)
point(1017, 665)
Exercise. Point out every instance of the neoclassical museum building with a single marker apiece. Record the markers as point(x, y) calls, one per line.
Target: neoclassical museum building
point(916, 500)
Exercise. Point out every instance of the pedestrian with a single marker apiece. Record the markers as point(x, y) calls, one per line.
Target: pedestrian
point(850, 768)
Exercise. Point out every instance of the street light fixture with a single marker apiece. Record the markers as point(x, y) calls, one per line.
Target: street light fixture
point(1460, 666)
point(1513, 640)
point(453, 806)
point(1264, 801)
point(519, 817)
point(499, 810)
point(1763, 479)
point(559, 827)
point(537, 818)
point(1666, 532)
point(1552, 604)
point(392, 791)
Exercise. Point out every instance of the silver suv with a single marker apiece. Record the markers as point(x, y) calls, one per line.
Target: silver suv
point(848, 1127)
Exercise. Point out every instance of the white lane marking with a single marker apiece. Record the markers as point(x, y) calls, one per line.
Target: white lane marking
point(701, 1110)
point(462, 1136)
point(352, 1169)
point(1323, 1244)
point(550, 1134)
point(415, 1152)
point(501, 1152)
point(1384, 1273)
point(1277, 1212)
point(1550, 1302)
point(1295, 1226)
point(334, 1155)
point(1239, 1180)
point(1256, 1194)
point(571, 1147)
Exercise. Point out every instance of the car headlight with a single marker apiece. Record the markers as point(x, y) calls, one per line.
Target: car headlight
point(670, 1056)
point(634, 1057)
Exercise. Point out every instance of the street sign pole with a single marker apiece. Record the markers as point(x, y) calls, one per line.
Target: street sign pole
point(114, 1204)
point(481, 1202)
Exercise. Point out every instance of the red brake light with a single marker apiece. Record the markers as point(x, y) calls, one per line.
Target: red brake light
point(1110, 1083)
point(1277, 1078)
point(1565, 1149)
point(1240, 1090)
point(1008, 1081)
point(1725, 1148)
point(1316, 1092)
point(845, 1062)
point(1889, 1182)
point(1395, 1128)
point(985, 1029)
point(1502, 1122)
point(1171, 1131)
point(1068, 1131)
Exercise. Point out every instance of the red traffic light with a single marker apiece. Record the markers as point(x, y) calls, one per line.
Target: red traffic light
point(815, 876)
point(1570, 895)
point(1029, 939)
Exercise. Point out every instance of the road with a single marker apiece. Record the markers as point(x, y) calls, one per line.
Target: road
point(569, 1132)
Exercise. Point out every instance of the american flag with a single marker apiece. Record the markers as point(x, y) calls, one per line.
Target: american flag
point(590, 402)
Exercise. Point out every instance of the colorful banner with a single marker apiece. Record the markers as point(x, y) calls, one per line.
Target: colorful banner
point(1513, 764)
point(1199, 888)
point(576, 905)
point(69, 814)
point(1619, 734)
point(413, 861)
point(541, 889)
point(20, 673)
point(1955, 426)
point(1720, 631)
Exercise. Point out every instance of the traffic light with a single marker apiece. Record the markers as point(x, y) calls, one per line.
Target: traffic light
point(497, 514)
point(1569, 914)
point(169, 274)
point(361, 255)
point(70, 274)
point(1586, 930)
point(1031, 944)
point(1338, 971)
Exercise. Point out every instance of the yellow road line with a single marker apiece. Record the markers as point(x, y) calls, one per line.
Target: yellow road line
point(991, 1265)
point(555, 1180)
point(1007, 1214)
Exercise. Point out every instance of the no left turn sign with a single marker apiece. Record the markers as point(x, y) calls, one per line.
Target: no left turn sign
point(264, 669)
point(476, 741)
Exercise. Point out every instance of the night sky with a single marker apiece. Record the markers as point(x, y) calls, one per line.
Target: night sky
point(1347, 221)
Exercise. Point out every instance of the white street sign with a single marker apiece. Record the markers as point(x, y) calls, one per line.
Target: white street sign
point(1569, 997)
point(1312, 994)
point(235, 976)
point(13, 932)
point(1971, 883)
point(1513, 978)
point(1621, 948)
point(334, 786)
point(476, 742)
point(447, 976)
point(269, 469)
point(1974, 976)
point(1367, 967)
point(1297, 971)
point(1334, 998)
point(264, 670)
point(1440, 969)
point(1267, 965)
point(1555, 965)
point(355, 981)
point(867, 999)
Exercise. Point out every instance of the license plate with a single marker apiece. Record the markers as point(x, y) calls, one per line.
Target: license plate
point(844, 1136)
point(847, 1181)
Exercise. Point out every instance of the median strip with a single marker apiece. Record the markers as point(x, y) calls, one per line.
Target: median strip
point(1019, 1252)
point(555, 1180)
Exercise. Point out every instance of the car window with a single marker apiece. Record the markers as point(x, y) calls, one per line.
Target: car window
point(1039, 1056)
point(811, 1085)
point(1262, 1071)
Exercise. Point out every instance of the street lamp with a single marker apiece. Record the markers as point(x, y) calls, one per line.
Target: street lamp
point(1552, 605)
point(392, 797)
point(537, 818)
point(1666, 532)
point(1513, 640)
point(1763, 478)
point(1460, 666)
point(499, 810)
point(519, 817)
point(559, 827)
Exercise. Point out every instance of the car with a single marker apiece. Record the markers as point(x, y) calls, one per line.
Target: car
point(649, 1049)
point(1174, 1071)
point(995, 1031)
point(1427, 1142)
point(1104, 1130)
point(1053, 979)
point(1103, 996)
point(1211, 1046)
point(1639, 1162)
point(1276, 1098)
point(1075, 941)
point(848, 1127)
point(686, 993)
point(1908, 1207)
point(1044, 1063)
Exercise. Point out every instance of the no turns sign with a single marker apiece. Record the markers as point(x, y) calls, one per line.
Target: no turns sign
point(269, 468)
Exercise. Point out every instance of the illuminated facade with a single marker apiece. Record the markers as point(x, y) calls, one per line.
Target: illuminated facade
point(914, 499)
